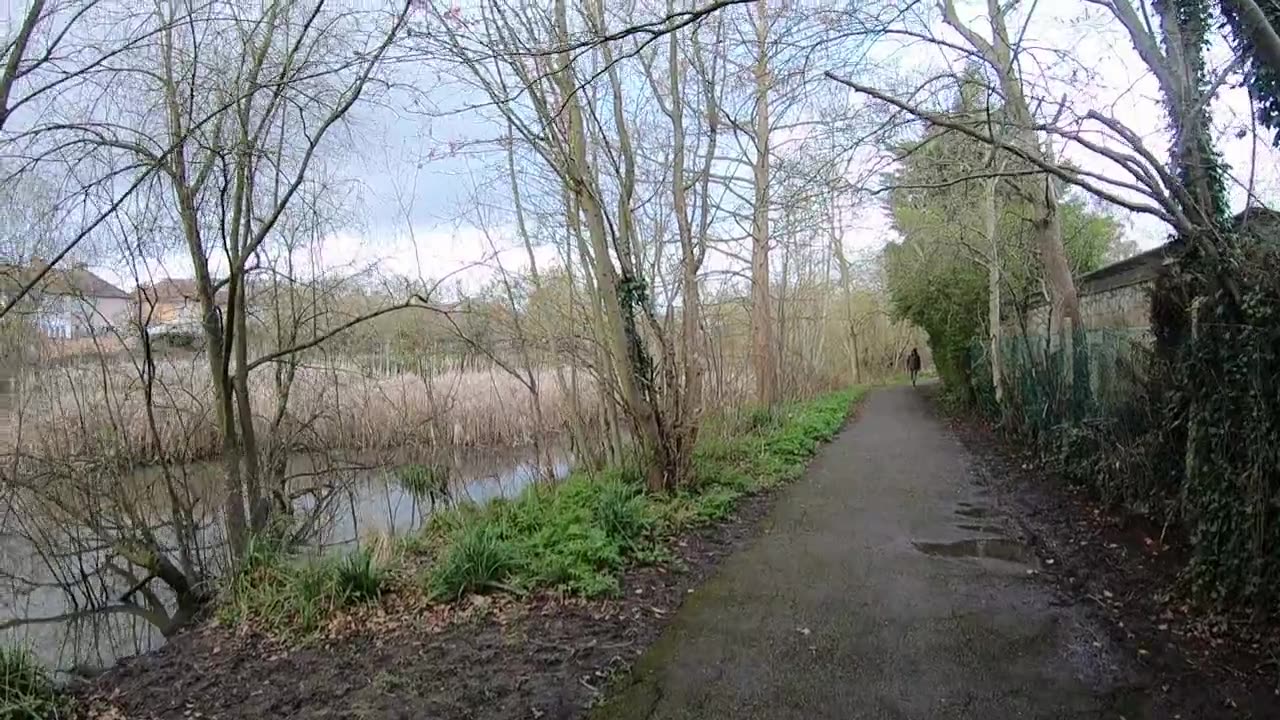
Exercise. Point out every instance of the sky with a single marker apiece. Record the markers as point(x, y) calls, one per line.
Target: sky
point(417, 183)
point(1107, 76)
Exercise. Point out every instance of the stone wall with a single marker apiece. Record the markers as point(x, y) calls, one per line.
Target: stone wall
point(1116, 297)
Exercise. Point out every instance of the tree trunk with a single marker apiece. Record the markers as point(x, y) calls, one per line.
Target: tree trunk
point(689, 398)
point(846, 294)
point(762, 356)
point(1037, 189)
point(993, 287)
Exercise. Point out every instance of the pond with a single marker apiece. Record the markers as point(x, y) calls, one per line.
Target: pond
point(370, 502)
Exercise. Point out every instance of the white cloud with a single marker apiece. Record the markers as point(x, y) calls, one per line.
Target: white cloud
point(467, 255)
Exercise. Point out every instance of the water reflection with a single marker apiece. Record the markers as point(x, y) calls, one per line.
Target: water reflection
point(370, 501)
point(379, 504)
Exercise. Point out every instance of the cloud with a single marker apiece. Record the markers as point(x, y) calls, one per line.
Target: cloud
point(468, 256)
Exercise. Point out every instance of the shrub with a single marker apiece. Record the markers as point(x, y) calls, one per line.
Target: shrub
point(26, 691)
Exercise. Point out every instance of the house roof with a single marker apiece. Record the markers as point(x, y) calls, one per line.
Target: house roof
point(76, 281)
point(1133, 269)
point(169, 289)
point(176, 290)
point(1261, 223)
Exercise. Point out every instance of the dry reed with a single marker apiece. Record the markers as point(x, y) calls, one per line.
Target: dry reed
point(99, 410)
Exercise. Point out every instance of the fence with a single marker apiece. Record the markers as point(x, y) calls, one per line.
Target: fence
point(1188, 440)
point(1039, 388)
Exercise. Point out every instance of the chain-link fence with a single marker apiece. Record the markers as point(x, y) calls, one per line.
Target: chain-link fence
point(1188, 438)
point(1039, 390)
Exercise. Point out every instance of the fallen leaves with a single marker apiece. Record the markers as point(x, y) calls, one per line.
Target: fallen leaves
point(102, 710)
point(1130, 567)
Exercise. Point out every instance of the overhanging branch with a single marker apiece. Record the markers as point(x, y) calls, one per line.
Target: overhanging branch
point(1071, 177)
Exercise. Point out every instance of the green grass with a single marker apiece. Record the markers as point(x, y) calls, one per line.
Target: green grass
point(478, 559)
point(577, 536)
point(26, 690)
point(573, 536)
point(294, 596)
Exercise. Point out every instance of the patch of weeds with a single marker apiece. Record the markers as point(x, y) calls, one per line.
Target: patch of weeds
point(26, 690)
point(712, 471)
point(776, 452)
point(655, 554)
point(578, 535)
point(717, 504)
point(426, 482)
point(622, 510)
point(478, 559)
point(575, 536)
point(309, 596)
point(686, 510)
point(761, 418)
point(359, 578)
point(296, 596)
point(389, 682)
point(678, 513)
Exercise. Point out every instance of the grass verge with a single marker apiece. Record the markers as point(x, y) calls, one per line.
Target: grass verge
point(576, 536)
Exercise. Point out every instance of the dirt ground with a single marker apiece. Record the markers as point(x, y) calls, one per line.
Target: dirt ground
point(490, 658)
point(1199, 663)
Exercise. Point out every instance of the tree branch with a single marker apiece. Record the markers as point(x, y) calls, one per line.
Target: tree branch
point(17, 50)
point(1069, 176)
point(1264, 37)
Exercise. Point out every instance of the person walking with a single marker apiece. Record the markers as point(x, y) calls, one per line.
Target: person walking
point(913, 365)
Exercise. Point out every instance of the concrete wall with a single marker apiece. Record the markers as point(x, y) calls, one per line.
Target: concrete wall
point(1115, 304)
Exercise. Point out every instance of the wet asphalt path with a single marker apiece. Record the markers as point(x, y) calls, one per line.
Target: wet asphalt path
point(886, 584)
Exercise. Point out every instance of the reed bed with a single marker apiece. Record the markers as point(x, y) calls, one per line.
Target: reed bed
point(100, 410)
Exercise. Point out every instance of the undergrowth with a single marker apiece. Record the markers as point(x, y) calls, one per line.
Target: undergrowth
point(577, 536)
point(290, 595)
point(26, 690)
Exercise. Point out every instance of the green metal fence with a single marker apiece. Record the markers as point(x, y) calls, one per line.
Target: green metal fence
point(1046, 384)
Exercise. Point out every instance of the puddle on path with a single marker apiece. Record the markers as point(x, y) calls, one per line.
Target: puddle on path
point(970, 510)
point(982, 528)
point(992, 548)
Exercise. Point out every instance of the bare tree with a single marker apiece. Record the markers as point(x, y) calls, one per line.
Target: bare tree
point(763, 361)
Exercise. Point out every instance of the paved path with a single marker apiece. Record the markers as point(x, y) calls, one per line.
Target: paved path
point(884, 586)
